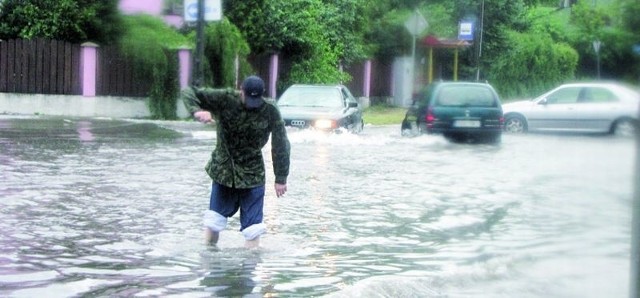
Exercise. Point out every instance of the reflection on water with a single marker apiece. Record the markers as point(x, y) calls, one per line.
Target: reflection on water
point(233, 275)
point(97, 207)
point(84, 131)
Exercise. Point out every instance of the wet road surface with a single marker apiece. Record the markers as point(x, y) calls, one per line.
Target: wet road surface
point(99, 207)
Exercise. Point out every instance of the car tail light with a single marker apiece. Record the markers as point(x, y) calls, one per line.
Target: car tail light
point(429, 118)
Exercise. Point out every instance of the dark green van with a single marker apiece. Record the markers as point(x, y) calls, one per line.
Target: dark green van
point(460, 111)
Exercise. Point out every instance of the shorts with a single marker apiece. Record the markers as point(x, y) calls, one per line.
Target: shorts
point(227, 200)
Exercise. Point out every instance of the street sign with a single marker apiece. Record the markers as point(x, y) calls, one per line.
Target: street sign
point(465, 30)
point(596, 46)
point(212, 10)
point(416, 23)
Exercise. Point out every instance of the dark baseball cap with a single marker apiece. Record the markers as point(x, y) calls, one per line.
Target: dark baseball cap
point(253, 88)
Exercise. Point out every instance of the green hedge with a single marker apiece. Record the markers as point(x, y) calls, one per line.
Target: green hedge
point(533, 64)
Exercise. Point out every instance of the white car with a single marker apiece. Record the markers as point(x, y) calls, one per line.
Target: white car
point(578, 107)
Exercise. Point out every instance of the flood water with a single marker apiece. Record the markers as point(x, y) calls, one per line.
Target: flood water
point(99, 207)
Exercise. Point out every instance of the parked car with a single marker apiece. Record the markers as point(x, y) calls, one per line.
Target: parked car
point(321, 107)
point(458, 110)
point(579, 107)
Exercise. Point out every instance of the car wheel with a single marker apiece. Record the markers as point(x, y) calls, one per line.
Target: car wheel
point(515, 124)
point(410, 129)
point(624, 128)
point(359, 127)
point(495, 138)
point(456, 137)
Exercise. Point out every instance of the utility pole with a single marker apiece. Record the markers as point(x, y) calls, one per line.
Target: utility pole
point(198, 69)
point(634, 277)
point(634, 289)
point(596, 47)
point(416, 24)
point(480, 42)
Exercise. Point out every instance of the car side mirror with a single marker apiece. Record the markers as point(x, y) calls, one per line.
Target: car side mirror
point(543, 101)
point(353, 104)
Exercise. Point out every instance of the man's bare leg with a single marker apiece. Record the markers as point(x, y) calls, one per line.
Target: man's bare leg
point(251, 244)
point(211, 237)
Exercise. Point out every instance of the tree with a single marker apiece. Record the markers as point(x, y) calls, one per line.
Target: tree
point(494, 19)
point(69, 20)
point(316, 35)
point(391, 37)
point(610, 25)
point(224, 45)
point(532, 64)
point(347, 21)
point(629, 24)
point(152, 45)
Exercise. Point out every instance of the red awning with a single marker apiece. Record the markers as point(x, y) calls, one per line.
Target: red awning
point(431, 41)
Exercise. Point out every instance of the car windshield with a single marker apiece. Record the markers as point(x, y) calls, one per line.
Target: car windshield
point(477, 96)
point(311, 97)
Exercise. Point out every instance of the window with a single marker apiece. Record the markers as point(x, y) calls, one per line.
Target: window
point(564, 96)
point(311, 97)
point(466, 96)
point(597, 94)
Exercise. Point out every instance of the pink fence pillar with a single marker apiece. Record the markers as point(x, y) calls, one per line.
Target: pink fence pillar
point(184, 60)
point(273, 76)
point(88, 66)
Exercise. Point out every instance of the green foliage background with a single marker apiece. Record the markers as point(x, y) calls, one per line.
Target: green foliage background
point(153, 45)
point(534, 64)
point(527, 45)
point(70, 20)
point(316, 35)
point(224, 45)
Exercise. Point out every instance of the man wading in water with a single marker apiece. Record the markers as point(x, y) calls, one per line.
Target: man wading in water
point(244, 122)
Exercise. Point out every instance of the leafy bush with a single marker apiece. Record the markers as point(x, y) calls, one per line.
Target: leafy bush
point(223, 45)
point(69, 20)
point(314, 35)
point(152, 45)
point(532, 64)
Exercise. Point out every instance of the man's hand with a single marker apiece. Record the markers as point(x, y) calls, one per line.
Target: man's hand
point(203, 116)
point(280, 189)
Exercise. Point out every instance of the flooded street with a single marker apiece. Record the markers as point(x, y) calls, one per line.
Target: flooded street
point(99, 207)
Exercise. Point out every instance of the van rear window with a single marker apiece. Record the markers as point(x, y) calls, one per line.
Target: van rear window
point(468, 96)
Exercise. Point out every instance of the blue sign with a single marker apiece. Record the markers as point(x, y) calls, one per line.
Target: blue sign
point(191, 11)
point(212, 10)
point(465, 30)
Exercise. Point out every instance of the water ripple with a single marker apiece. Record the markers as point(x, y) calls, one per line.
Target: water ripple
point(375, 215)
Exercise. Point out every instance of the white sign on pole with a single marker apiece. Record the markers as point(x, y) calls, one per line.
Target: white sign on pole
point(596, 46)
point(465, 31)
point(416, 23)
point(212, 10)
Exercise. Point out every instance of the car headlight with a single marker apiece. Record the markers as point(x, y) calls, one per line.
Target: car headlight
point(324, 124)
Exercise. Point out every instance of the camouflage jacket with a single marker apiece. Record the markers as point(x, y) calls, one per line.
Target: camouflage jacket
point(241, 134)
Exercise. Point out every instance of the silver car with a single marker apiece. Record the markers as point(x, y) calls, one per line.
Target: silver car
point(321, 107)
point(579, 107)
